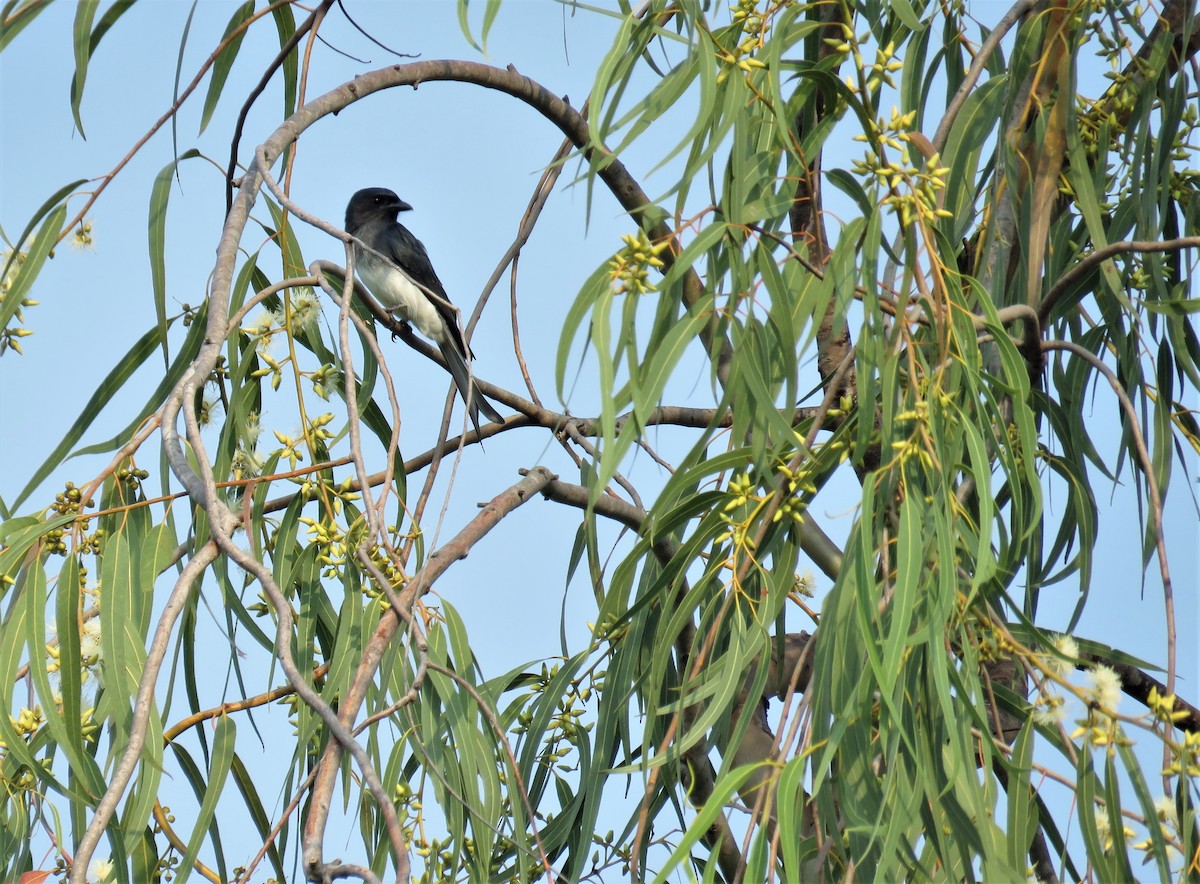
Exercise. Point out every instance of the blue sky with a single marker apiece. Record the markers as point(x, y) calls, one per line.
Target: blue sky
point(467, 161)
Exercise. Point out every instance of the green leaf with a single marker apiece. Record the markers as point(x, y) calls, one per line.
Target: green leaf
point(1022, 807)
point(159, 549)
point(701, 245)
point(1088, 201)
point(489, 18)
point(159, 195)
point(123, 654)
point(262, 822)
point(16, 16)
point(1179, 307)
point(464, 23)
point(791, 799)
point(145, 857)
point(19, 536)
point(595, 285)
point(140, 804)
point(224, 741)
point(910, 563)
point(285, 26)
point(187, 28)
point(655, 373)
point(1086, 810)
point(28, 270)
point(14, 631)
point(55, 198)
point(235, 33)
point(182, 362)
point(973, 126)
point(909, 16)
point(65, 722)
point(1159, 849)
point(107, 20)
point(723, 792)
point(85, 12)
point(849, 185)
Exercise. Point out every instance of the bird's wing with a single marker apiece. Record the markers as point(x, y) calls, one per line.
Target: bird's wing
point(409, 255)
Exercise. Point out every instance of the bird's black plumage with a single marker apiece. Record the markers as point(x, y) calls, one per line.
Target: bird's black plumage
point(397, 270)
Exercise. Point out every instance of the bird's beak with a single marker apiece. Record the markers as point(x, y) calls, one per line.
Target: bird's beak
point(402, 206)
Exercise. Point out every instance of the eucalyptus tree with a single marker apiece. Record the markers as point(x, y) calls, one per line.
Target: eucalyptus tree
point(928, 319)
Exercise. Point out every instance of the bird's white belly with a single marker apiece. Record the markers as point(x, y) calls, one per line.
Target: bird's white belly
point(400, 295)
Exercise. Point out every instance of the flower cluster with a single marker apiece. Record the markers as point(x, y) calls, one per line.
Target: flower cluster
point(11, 337)
point(752, 24)
point(297, 311)
point(82, 240)
point(1101, 692)
point(69, 502)
point(879, 72)
point(1050, 707)
point(1166, 817)
point(565, 727)
point(746, 505)
point(246, 463)
point(1186, 754)
point(913, 193)
point(27, 721)
point(630, 268)
point(331, 542)
point(388, 566)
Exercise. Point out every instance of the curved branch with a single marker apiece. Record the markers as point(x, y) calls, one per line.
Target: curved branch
point(437, 563)
point(1156, 509)
point(185, 724)
point(160, 816)
point(569, 121)
point(1138, 685)
point(610, 170)
point(1098, 256)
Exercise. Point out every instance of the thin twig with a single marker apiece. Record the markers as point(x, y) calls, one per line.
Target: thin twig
point(278, 827)
point(1156, 508)
point(284, 51)
point(105, 180)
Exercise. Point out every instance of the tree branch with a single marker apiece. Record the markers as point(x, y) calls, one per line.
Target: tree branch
point(437, 563)
point(1100, 255)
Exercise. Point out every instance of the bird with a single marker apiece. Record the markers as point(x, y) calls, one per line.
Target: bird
point(396, 269)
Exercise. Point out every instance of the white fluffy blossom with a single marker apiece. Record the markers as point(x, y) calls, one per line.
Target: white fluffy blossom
point(1105, 686)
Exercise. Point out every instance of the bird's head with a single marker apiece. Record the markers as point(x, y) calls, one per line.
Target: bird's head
point(371, 204)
